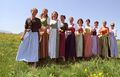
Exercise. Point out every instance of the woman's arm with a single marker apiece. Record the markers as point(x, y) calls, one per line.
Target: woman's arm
point(22, 37)
point(26, 29)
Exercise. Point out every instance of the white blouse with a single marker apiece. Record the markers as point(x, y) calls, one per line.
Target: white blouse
point(115, 32)
point(48, 20)
point(75, 26)
point(55, 21)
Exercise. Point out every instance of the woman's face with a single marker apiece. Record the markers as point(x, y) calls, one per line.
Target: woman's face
point(112, 26)
point(104, 23)
point(96, 25)
point(80, 23)
point(87, 22)
point(54, 15)
point(45, 11)
point(71, 19)
point(62, 18)
point(34, 13)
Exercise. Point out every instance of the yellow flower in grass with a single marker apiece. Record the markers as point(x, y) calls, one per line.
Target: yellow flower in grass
point(94, 74)
point(85, 69)
point(100, 74)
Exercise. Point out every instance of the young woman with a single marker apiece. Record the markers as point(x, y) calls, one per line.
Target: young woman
point(54, 36)
point(113, 42)
point(95, 47)
point(70, 41)
point(28, 49)
point(45, 22)
point(63, 28)
point(87, 40)
point(79, 39)
point(103, 40)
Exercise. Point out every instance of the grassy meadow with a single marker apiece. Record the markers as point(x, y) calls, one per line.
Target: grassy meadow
point(96, 67)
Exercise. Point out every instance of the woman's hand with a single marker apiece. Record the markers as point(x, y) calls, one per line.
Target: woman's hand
point(22, 38)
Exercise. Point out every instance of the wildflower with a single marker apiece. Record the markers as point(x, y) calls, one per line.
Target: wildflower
point(94, 74)
point(100, 73)
point(85, 69)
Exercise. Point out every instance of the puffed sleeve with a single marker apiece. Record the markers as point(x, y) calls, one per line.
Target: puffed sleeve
point(76, 27)
point(58, 24)
point(26, 24)
point(39, 23)
point(66, 26)
point(48, 21)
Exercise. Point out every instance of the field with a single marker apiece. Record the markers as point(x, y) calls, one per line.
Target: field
point(96, 67)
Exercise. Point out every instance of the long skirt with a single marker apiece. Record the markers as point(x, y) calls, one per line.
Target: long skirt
point(104, 46)
point(53, 49)
point(70, 50)
point(79, 45)
point(44, 45)
point(87, 45)
point(95, 45)
point(62, 44)
point(113, 46)
point(28, 49)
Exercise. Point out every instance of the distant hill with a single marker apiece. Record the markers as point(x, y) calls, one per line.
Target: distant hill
point(5, 32)
point(21, 33)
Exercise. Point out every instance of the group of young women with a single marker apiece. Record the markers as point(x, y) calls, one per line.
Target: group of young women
point(52, 38)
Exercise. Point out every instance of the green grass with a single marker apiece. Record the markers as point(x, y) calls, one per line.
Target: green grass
point(10, 68)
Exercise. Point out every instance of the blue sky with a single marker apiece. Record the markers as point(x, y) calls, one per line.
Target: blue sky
point(13, 13)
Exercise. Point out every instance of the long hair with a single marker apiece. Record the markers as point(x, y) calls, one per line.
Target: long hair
point(53, 13)
point(42, 14)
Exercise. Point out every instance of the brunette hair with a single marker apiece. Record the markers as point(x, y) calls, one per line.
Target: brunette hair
point(96, 22)
point(80, 19)
point(63, 16)
point(34, 9)
point(53, 13)
point(88, 20)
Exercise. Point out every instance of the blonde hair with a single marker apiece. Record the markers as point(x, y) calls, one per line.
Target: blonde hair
point(42, 13)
